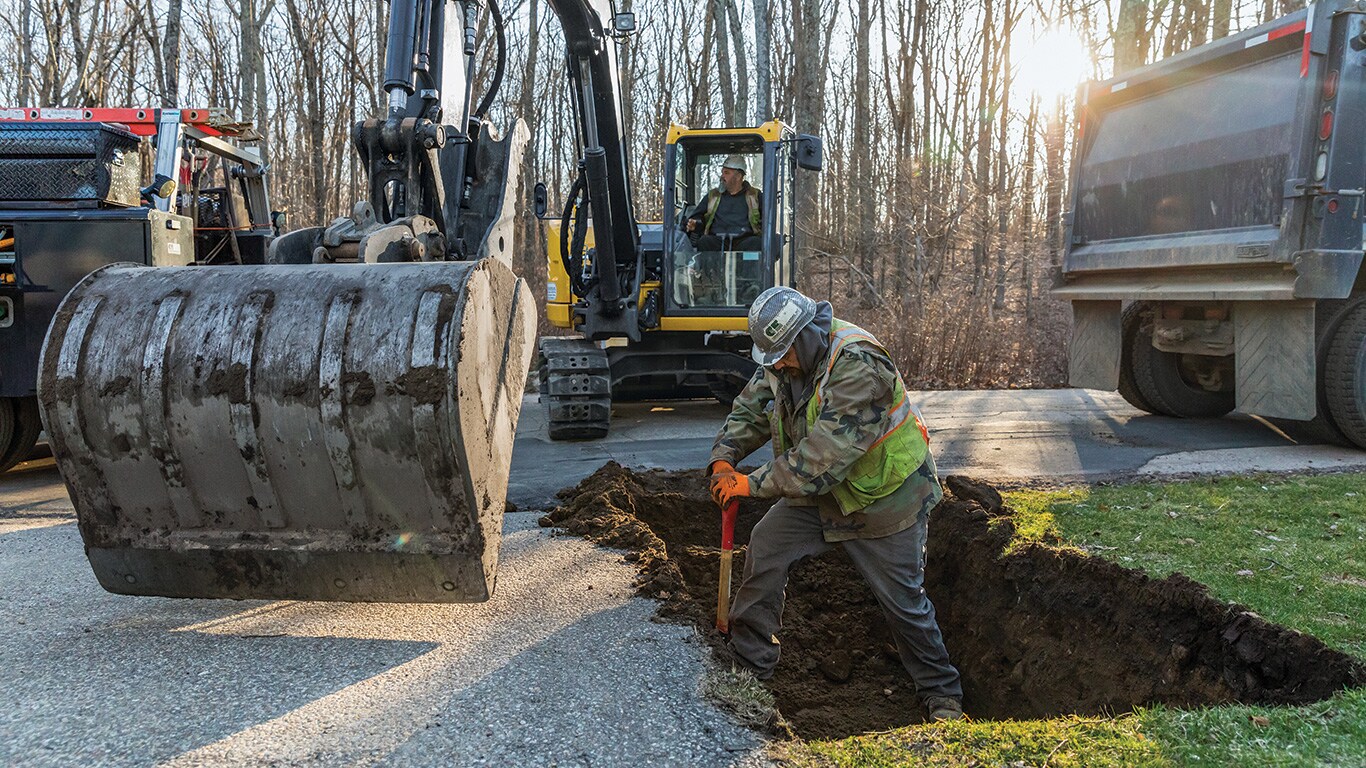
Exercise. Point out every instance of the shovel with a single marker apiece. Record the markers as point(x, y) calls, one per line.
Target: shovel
point(727, 549)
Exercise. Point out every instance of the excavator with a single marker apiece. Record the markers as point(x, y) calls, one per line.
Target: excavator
point(337, 423)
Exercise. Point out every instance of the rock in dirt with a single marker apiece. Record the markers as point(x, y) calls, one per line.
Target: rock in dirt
point(838, 666)
point(1041, 631)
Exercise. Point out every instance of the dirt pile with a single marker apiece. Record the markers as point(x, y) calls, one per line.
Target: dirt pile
point(1037, 632)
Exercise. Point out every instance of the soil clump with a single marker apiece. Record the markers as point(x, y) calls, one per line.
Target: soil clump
point(1040, 631)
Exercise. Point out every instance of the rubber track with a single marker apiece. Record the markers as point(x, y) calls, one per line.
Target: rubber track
point(576, 387)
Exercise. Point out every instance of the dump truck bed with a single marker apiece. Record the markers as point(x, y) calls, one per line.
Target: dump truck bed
point(1198, 177)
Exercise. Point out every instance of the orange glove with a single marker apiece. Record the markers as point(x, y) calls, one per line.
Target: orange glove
point(728, 486)
point(719, 466)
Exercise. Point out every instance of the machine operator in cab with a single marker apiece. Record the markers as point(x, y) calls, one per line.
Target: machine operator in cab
point(729, 217)
point(851, 466)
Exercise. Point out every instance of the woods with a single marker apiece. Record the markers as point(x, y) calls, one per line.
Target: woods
point(947, 126)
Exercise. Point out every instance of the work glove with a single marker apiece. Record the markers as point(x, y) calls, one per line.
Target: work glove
point(729, 486)
point(719, 466)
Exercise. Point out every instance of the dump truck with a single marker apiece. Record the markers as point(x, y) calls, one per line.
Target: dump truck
point(1214, 244)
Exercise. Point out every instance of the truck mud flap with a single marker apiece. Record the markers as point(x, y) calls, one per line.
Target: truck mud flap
point(1094, 355)
point(311, 432)
point(1274, 361)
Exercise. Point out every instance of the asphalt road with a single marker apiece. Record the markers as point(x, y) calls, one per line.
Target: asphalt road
point(562, 667)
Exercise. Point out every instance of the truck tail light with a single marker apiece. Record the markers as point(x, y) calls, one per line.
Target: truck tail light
point(1326, 125)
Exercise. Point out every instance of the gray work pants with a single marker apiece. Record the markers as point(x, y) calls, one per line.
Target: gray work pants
point(893, 566)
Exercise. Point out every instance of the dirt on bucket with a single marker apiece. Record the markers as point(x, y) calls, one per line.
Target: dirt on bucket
point(1038, 632)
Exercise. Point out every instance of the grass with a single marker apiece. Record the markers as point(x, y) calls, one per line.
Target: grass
point(1291, 548)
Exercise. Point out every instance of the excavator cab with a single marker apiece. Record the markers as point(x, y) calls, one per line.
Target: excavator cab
point(715, 271)
point(694, 287)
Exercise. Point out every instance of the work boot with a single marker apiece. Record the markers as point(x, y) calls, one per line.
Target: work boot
point(944, 708)
point(727, 653)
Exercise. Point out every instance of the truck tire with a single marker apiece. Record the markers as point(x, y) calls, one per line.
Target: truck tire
point(1157, 376)
point(26, 424)
point(1344, 379)
point(1130, 321)
point(8, 427)
point(1328, 316)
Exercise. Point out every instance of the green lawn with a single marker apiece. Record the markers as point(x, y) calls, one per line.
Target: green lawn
point(1291, 548)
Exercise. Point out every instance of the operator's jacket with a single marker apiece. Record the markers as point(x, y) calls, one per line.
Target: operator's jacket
point(854, 448)
point(727, 214)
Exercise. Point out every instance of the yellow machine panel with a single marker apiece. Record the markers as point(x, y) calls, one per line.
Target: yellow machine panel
point(559, 296)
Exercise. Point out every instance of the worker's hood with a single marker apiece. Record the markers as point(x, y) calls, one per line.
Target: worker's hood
point(812, 345)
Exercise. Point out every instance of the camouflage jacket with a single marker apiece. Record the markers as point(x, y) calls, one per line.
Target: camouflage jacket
point(857, 401)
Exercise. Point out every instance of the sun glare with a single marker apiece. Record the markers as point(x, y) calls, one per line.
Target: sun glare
point(1053, 64)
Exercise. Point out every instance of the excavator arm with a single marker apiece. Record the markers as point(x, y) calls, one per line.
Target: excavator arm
point(603, 187)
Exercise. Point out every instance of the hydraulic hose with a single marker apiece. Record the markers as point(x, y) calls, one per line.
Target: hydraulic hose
point(572, 263)
point(497, 82)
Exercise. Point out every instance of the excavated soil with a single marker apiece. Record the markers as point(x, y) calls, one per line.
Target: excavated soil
point(1038, 632)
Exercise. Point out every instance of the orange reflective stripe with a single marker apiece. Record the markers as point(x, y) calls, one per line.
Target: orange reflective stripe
point(910, 414)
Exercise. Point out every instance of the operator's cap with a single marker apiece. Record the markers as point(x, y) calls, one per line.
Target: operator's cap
point(735, 162)
point(775, 319)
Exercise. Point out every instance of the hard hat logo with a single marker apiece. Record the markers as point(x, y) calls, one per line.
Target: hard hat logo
point(775, 319)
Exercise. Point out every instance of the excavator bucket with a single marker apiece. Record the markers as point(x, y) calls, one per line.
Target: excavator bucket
point(311, 432)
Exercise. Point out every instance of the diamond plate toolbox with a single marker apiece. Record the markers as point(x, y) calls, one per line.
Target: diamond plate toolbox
point(69, 163)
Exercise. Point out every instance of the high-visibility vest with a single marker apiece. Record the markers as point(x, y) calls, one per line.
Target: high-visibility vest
point(714, 202)
point(897, 453)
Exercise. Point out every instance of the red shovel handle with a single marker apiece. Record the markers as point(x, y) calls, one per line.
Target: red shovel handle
point(728, 516)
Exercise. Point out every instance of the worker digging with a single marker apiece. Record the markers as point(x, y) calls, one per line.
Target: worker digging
point(851, 466)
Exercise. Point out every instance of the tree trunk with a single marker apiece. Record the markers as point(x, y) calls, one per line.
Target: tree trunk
point(170, 95)
point(700, 108)
point(25, 73)
point(810, 56)
point(723, 72)
point(737, 38)
point(306, 42)
point(1053, 185)
point(1002, 170)
point(981, 178)
point(1027, 210)
point(1131, 35)
point(862, 181)
point(763, 79)
point(1223, 18)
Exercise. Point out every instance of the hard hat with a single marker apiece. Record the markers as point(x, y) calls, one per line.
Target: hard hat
point(735, 162)
point(775, 319)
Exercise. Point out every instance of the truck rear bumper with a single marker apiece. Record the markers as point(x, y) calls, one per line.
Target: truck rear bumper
point(1315, 274)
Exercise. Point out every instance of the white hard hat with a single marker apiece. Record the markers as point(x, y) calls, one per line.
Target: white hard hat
point(775, 319)
point(735, 162)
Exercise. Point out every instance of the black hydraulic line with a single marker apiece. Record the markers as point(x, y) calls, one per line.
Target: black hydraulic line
point(424, 37)
point(497, 82)
point(571, 257)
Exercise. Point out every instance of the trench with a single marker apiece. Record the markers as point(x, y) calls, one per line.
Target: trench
point(1037, 632)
